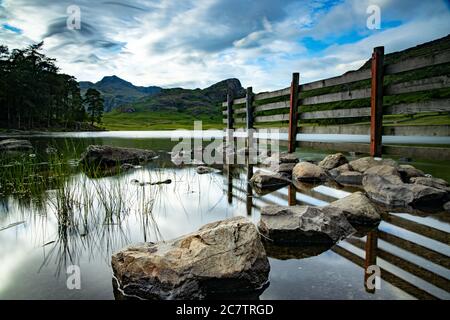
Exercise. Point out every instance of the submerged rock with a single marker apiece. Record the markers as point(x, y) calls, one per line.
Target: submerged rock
point(365, 163)
point(277, 158)
point(358, 209)
point(296, 225)
point(308, 172)
point(267, 182)
point(352, 178)
point(388, 191)
point(203, 169)
point(224, 257)
point(333, 161)
point(109, 156)
point(339, 170)
point(15, 145)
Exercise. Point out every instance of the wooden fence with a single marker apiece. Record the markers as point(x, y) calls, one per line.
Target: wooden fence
point(379, 91)
point(407, 261)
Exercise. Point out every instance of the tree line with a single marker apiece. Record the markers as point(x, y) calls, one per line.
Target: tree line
point(34, 94)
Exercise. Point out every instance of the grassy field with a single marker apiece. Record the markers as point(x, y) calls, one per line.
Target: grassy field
point(154, 120)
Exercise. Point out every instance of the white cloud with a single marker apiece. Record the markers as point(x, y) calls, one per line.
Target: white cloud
point(197, 43)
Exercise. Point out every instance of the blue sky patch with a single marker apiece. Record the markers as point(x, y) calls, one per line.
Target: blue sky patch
point(11, 28)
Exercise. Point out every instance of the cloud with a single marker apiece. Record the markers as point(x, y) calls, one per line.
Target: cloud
point(195, 43)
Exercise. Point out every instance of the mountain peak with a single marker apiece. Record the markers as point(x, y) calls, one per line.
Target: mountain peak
point(114, 79)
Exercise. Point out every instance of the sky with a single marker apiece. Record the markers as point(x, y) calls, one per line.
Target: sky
point(196, 43)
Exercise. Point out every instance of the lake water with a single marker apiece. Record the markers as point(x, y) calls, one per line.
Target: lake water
point(37, 244)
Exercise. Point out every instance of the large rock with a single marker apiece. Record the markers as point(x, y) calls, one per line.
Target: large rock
point(365, 163)
point(352, 178)
point(431, 182)
point(308, 172)
point(388, 191)
point(298, 225)
point(383, 170)
point(333, 161)
point(358, 209)
point(108, 156)
point(15, 145)
point(408, 171)
point(339, 170)
point(277, 158)
point(224, 257)
point(266, 182)
point(283, 168)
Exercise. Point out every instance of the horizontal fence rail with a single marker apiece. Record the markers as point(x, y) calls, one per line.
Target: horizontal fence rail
point(372, 99)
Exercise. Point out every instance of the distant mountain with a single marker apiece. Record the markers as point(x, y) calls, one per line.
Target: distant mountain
point(118, 92)
point(195, 102)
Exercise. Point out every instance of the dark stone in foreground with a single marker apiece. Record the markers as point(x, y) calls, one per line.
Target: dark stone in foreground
point(15, 145)
point(224, 257)
point(109, 156)
point(304, 225)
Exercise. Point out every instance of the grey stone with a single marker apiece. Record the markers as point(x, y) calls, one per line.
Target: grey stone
point(109, 156)
point(308, 172)
point(358, 209)
point(333, 161)
point(365, 163)
point(15, 145)
point(224, 257)
point(399, 194)
point(304, 224)
point(352, 178)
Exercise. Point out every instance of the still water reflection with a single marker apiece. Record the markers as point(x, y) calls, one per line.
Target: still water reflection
point(37, 242)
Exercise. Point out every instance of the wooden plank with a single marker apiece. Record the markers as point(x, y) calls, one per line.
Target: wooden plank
point(339, 113)
point(293, 112)
point(237, 111)
point(376, 102)
point(273, 94)
point(386, 275)
point(412, 268)
point(351, 76)
point(418, 85)
point(441, 105)
point(338, 96)
point(273, 106)
point(276, 117)
point(417, 249)
point(418, 62)
point(336, 129)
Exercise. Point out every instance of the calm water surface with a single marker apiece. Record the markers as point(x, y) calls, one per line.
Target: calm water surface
point(413, 250)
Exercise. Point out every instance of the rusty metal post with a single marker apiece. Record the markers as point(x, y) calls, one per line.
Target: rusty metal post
point(376, 102)
point(293, 113)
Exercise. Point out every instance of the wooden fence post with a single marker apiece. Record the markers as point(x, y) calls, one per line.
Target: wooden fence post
point(229, 111)
point(376, 102)
point(249, 107)
point(371, 256)
point(293, 113)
